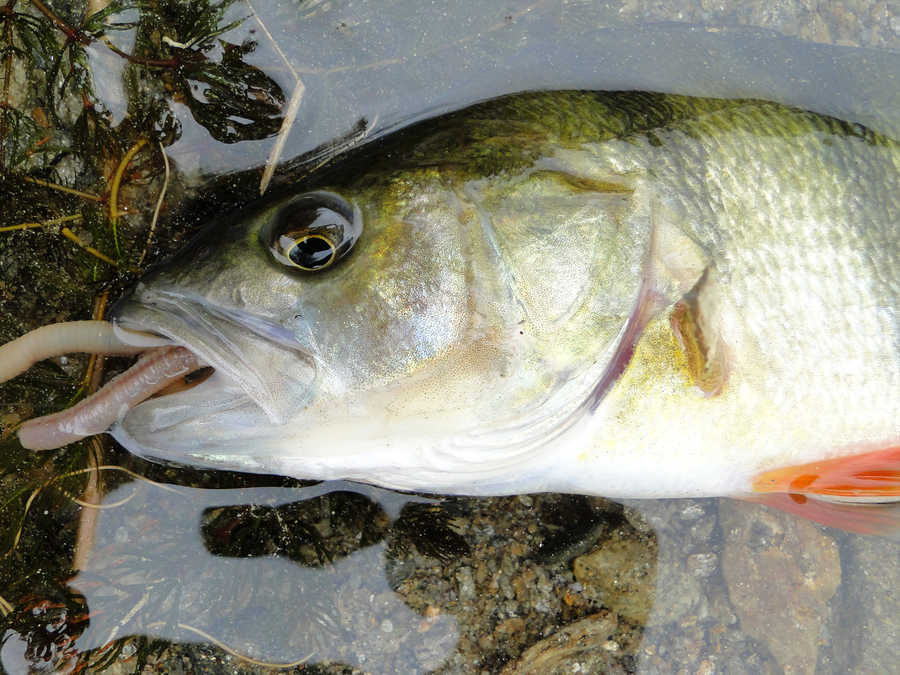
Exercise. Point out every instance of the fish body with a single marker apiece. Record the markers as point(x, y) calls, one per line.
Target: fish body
point(615, 293)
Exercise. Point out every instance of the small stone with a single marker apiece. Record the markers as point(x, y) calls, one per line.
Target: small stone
point(623, 571)
point(580, 647)
point(703, 564)
point(128, 650)
point(121, 536)
point(869, 639)
point(514, 626)
point(9, 420)
point(465, 584)
point(692, 511)
point(387, 626)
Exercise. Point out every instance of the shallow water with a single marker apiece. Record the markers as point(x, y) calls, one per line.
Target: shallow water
point(207, 572)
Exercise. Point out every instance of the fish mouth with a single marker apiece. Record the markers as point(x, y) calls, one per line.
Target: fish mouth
point(207, 377)
point(244, 358)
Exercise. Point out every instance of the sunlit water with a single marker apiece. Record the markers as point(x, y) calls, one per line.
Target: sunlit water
point(339, 575)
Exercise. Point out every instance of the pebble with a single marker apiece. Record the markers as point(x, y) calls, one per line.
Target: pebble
point(466, 584)
point(868, 640)
point(703, 564)
point(622, 571)
point(580, 647)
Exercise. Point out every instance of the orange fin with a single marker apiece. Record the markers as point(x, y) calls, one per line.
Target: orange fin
point(870, 476)
point(858, 493)
point(882, 520)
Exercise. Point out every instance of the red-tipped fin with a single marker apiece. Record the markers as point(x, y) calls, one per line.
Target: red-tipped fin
point(858, 493)
point(864, 476)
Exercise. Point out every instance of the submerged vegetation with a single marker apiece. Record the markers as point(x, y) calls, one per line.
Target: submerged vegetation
point(92, 168)
point(91, 95)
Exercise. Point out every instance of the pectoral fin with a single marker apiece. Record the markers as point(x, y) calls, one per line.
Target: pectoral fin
point(859, 493)
point(704, 350)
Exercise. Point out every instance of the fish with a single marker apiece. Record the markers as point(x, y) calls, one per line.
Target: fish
point(625, 294)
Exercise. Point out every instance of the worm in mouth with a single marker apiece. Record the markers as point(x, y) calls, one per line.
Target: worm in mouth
point(161, 365)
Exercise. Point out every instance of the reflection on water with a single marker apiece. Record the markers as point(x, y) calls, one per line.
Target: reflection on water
point(336, 574)
point(339, 573)
point(277, 575)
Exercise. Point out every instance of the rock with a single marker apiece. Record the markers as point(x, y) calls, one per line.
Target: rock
point(581, 647)
point(869, 638)
point(622, 571)
point(781, 573)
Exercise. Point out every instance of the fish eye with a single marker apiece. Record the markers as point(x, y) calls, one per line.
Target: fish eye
point(311, 252)
point(312, 231)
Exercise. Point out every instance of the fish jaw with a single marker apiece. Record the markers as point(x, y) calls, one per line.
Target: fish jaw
point(262, 375)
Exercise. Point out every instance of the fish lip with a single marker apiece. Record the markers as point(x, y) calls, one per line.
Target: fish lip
point(173, 302)
point(188, 320)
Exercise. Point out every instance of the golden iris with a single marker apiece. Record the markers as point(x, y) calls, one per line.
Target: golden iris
point(309, 252)
point(312, 231)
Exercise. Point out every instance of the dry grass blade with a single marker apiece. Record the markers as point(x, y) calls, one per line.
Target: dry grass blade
point(128, 617)
point(159, 203)
point(275, 154)
point(18, 536)
point(61, 188)
point(290, 114)
point(71, 236)
point(242, 657)
point(87, 522)
point(77, 472)
point(43, 223)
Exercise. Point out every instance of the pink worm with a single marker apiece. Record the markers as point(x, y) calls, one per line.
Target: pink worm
point(92, 337)
point(155, 370)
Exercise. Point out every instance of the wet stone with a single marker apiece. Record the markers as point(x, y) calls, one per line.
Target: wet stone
point(622, 571)
point(781, 573)
point(869, 638)
point(703, 564)
point(466, 584)
point(580, 647)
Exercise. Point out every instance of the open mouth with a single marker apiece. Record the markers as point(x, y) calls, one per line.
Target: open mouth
point(157, 370)
point(230, 360)
point(185, 383)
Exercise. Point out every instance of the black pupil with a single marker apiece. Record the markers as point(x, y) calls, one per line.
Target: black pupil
point(311, 253)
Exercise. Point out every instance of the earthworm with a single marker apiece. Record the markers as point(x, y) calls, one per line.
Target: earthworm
point(155, 370)
point(92, 337)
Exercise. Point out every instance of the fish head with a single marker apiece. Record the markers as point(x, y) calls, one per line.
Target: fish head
point(389, 325)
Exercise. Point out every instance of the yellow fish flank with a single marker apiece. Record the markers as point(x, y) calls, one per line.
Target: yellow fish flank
point(616, 293)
